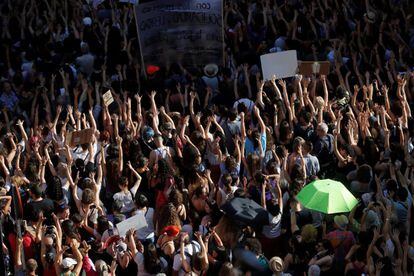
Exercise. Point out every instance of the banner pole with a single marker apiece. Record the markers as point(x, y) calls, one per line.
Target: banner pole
point(222, 33)
point(139, 41)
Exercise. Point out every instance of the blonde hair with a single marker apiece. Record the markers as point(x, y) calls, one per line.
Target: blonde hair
point(102, 268)
point(309, 233)
point(319, 102)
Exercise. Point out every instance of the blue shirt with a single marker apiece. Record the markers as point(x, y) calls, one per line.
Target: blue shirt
point(249, 145)
point(8, 100)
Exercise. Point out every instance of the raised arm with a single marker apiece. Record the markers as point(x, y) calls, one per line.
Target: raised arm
point(49, 162)
point(262, 125)
point(55, 121)
point(92, 120)
point(336, 134)
point(300, 90)
point(237, 151)
point(78, 256)
point(242, 126)
point(154, 111)
point(259, 96)
point(204, 250)
point(13, 150)
point(22, 131)
point(325, 91)
point(273, 82)
point(120, 155)
point(135, 188)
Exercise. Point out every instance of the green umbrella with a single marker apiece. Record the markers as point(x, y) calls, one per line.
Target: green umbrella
point(327, 196)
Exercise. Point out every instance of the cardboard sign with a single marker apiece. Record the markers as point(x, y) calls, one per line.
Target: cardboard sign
point(107, 97)
point(79, 137)
point(186, 31)
point(308, 68)
point(282, 64)
point(136, 222)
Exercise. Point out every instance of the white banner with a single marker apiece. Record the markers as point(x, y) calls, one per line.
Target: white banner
point(190, 31)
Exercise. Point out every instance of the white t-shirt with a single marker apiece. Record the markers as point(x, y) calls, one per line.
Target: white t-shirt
point(189, 251)
point(126, 199)
point(272, 230)
point(79, 153)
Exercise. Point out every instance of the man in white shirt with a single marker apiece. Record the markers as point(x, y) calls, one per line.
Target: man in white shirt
point(86, 60)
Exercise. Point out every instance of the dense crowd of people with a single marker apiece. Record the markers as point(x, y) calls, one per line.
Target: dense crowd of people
point(179, 144)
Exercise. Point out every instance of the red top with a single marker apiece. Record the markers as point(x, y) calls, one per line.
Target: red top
point(28, 245)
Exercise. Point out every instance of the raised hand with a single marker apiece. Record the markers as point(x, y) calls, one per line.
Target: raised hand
point(153, 93)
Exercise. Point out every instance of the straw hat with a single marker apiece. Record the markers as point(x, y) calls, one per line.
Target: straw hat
point(370, 16)
point(341, 221)
point(210, 70)
point(276, 264)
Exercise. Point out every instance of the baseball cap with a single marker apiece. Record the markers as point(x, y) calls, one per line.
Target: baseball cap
point(167, 126)
point(87, 21)
point(148, 133)
point(68, 262)
point(341, 221)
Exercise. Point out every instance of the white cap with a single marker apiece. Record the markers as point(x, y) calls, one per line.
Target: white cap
point(87, 21)
point(68, 262)
point(314, 270)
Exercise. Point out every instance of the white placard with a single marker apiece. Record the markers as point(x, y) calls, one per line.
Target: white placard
point(282, 64)
point(136, 222)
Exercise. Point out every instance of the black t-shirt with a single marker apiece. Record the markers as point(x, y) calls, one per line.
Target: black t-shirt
point(45, 205)
point(146, 147)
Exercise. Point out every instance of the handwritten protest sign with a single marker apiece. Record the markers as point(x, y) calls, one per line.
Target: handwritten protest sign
point(136, 222)
point(79, 137)
point(282, 64)
point(308, 68)
point(107, 97)
point(189, 31)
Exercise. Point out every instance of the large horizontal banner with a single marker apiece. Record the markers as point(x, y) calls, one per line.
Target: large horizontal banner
point(188, 31)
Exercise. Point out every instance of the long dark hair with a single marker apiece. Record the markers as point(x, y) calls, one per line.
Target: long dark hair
point(163, 170)
point(54, 189)
point(152, 263)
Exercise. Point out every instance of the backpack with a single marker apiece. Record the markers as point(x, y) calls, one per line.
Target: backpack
point(325, 156)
